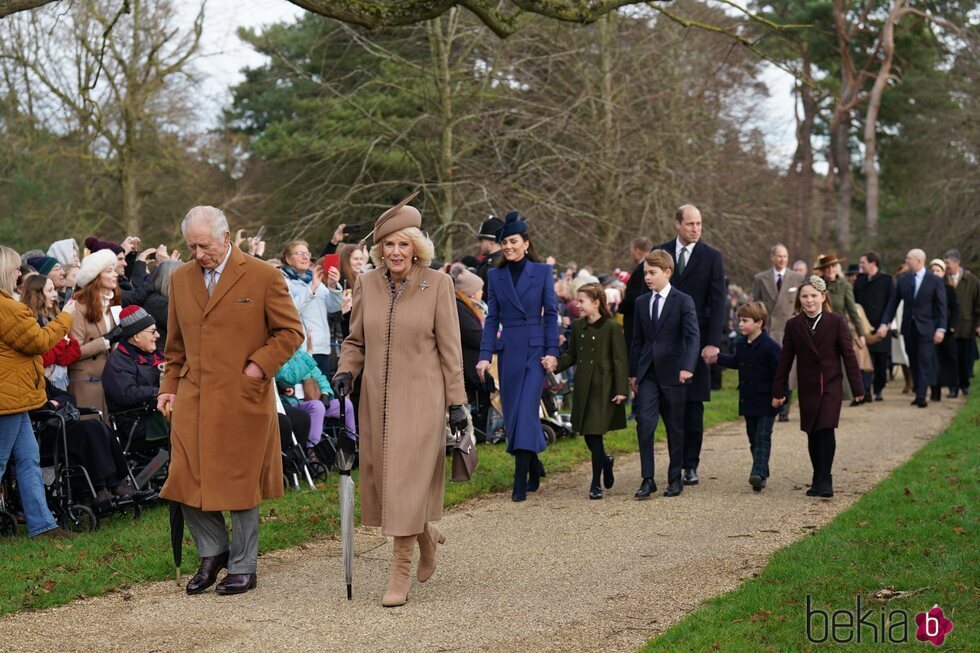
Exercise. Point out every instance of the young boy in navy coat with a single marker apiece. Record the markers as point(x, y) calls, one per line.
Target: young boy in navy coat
point(666, 346)
point(756, 356)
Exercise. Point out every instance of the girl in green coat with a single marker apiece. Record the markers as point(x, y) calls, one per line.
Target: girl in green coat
point(598, 350)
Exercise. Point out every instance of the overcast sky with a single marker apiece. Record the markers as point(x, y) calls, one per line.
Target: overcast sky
point(225, 55)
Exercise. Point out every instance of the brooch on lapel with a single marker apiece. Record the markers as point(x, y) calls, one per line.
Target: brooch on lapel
point(243, 300)
point(423, 285)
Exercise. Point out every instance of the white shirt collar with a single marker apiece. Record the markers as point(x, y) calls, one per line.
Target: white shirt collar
point(678, 246)
point(663, 293)
point(776, 273)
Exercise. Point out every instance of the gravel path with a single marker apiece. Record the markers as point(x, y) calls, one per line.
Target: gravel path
point(557, 573)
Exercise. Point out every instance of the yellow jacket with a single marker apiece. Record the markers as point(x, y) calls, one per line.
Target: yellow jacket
point(22, 341)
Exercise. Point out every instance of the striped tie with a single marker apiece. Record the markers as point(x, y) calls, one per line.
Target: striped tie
point(209, 286)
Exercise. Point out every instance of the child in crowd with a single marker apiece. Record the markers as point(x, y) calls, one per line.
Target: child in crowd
point(756, 356)
point(302, 367)
point(666, 345)
point(817, 339)
point(598, 350)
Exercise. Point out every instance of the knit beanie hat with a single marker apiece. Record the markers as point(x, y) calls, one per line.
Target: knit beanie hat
point(134, 319)
point(96, 245)
point(93, 265)
point(43, 264)
point(466, 282)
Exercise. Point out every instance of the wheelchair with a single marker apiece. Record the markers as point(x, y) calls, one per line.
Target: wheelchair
point(68, 486)
point(148, 456)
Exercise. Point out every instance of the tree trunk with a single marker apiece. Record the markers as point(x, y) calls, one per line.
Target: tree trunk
point(801, 172)
point(441, 38)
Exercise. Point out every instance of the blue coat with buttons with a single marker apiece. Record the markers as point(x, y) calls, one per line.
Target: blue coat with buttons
point(528, 315)
point(756, 363)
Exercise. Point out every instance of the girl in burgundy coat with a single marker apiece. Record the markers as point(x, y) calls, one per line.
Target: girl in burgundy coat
point(818, 339)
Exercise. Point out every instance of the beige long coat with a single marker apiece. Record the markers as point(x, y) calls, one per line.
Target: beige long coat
point(410, 360)
point(225, 450)
point(85, 374)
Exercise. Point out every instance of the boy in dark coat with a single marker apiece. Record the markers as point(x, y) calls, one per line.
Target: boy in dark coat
point(664, 355)
point(756, 356)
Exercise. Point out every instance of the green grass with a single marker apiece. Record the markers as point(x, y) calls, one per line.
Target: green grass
point(915, 532)
point(42, 574)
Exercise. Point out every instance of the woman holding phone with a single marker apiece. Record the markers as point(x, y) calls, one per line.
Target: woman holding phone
point(316, 294)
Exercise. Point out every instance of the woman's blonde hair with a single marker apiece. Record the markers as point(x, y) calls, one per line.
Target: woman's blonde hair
point(425, 251)
point(9, 264)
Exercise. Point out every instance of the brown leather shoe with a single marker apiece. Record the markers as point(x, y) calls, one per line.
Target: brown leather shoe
point(57, 532)
point(237, 584)
point(207, 573)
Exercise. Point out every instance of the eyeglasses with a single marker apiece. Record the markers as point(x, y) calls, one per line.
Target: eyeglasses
point(302, 254)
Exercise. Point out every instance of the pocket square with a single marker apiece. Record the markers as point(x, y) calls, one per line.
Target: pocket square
point(244, 300)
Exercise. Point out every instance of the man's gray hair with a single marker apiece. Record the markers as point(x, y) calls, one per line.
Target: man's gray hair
point(772, 250)
point(952, 254)
point(918, 254)
point(213, 217)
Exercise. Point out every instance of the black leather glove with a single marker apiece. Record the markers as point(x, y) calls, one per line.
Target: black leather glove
point(343, 383)
point(115, 335)
point(457, 419)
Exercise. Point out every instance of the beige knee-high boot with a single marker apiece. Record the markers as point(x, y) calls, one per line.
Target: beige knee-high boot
point(429, 540)
point(399, 581)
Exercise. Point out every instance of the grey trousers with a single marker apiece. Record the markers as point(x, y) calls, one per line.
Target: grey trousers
point(211, 536)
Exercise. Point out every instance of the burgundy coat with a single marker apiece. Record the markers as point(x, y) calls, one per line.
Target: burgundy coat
point(819, 369)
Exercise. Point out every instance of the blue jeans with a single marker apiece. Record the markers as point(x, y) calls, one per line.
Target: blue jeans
point(17, 440)
point(759, 429)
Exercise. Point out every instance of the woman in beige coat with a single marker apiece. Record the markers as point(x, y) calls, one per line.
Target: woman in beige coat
point(97, 293)
point(404, 343)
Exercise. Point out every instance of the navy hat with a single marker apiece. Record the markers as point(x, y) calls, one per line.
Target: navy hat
point(513, 224)
point(489, 228)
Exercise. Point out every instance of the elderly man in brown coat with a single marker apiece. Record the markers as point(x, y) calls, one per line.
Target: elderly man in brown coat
point(404, 344)
point(231, 326)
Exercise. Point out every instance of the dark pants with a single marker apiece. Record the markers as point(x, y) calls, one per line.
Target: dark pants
point(880, 378)
point(598, 450)
point(693, 433)
point(922, 360)
point(92, 445)
point(323, 362)
point(822, 446)
point(653, 401)
point(759, 429)
point(964, 360)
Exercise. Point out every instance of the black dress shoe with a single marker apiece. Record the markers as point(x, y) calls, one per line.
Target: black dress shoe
point(607, 473)
point(854, 402)
point(783, 418)
point(673, 489)
point(757, 482)
point(646, 487)
point(207, 573)
point(691, 476)
point(237, 584)
point(921, 403)
point(595, 492)
point(878, 397)
point(953, 394)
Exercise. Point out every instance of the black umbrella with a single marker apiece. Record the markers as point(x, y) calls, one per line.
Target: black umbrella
point(345, 493)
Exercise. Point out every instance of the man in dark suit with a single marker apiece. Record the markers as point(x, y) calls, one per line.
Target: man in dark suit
point(923, 320)
point(490, 251)
point(636, 286)
point(968, 328)
point(699, 273)
point(664, 354)
point(872, 290)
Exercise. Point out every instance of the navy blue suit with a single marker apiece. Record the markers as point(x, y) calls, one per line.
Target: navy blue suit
point(703, 280)
point(658, 355)
point(756, 364)
point(924, 313)
point(529, 316)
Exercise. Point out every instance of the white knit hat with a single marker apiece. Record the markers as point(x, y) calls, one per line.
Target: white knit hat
point(93, 265)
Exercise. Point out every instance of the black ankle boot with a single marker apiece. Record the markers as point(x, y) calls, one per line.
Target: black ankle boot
point(522, 461)
point(535, 473)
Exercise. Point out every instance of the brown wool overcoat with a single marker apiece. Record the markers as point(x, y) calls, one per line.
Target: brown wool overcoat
point(225, 450)
point(411, 370)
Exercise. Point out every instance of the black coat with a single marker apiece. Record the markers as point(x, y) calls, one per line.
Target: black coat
point(704, 281)
point(488, 263)
point(635, 287)
point(756, 363)
point(873, 295)
point(471, 333)
point(156, 305)
point(946, 350)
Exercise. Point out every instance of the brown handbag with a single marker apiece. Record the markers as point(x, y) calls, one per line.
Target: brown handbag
point(463, 451)
point(311, 390)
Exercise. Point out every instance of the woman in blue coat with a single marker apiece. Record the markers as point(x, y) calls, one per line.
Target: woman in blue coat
point(521, 300)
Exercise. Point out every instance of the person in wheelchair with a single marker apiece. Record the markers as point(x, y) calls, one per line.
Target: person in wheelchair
point(131, 379)
point(303, 369)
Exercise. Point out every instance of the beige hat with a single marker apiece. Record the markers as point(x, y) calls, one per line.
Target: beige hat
point(401, 216)
point(938, 261)
point(93, 265)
